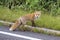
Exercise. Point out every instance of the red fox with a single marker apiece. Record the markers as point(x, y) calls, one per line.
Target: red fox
point(22, 20)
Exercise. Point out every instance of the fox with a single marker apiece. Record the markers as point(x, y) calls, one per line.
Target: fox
point(24, 19)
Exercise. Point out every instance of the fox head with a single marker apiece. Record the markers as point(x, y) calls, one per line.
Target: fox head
point(37, 14)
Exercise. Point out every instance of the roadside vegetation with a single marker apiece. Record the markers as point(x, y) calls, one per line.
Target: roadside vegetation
point(46, 20)
point(10, 10)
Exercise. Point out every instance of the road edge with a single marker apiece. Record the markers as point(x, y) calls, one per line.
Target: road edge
point(35, 29)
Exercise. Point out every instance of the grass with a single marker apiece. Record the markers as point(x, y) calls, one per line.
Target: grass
point(10, 15)
point(46, 21)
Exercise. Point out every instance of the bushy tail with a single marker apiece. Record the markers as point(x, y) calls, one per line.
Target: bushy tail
point(15, 25)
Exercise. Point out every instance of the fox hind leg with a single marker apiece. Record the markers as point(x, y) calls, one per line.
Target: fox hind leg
point(15, 25)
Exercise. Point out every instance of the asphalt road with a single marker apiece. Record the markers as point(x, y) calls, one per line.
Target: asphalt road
point(5, 34)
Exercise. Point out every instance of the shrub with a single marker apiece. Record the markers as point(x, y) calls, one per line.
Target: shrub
point(51, 6)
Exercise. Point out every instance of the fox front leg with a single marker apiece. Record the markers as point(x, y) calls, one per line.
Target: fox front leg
point(33, 23)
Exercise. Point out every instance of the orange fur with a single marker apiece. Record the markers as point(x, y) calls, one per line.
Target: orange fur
point(22, 20)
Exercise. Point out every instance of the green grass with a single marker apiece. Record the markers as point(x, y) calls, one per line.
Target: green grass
point(46, 21)
point(49, 21)
point(10, 15)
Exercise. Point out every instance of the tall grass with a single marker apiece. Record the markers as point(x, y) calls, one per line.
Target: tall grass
point(49, 21)
point(46, 20)
point(10, 15)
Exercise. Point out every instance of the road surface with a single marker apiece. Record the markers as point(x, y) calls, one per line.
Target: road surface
point(5, 34)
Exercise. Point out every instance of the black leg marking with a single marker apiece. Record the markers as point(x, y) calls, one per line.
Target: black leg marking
point(33, 24)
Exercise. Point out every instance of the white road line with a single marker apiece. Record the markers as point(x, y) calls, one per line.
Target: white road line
point(17, 35)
